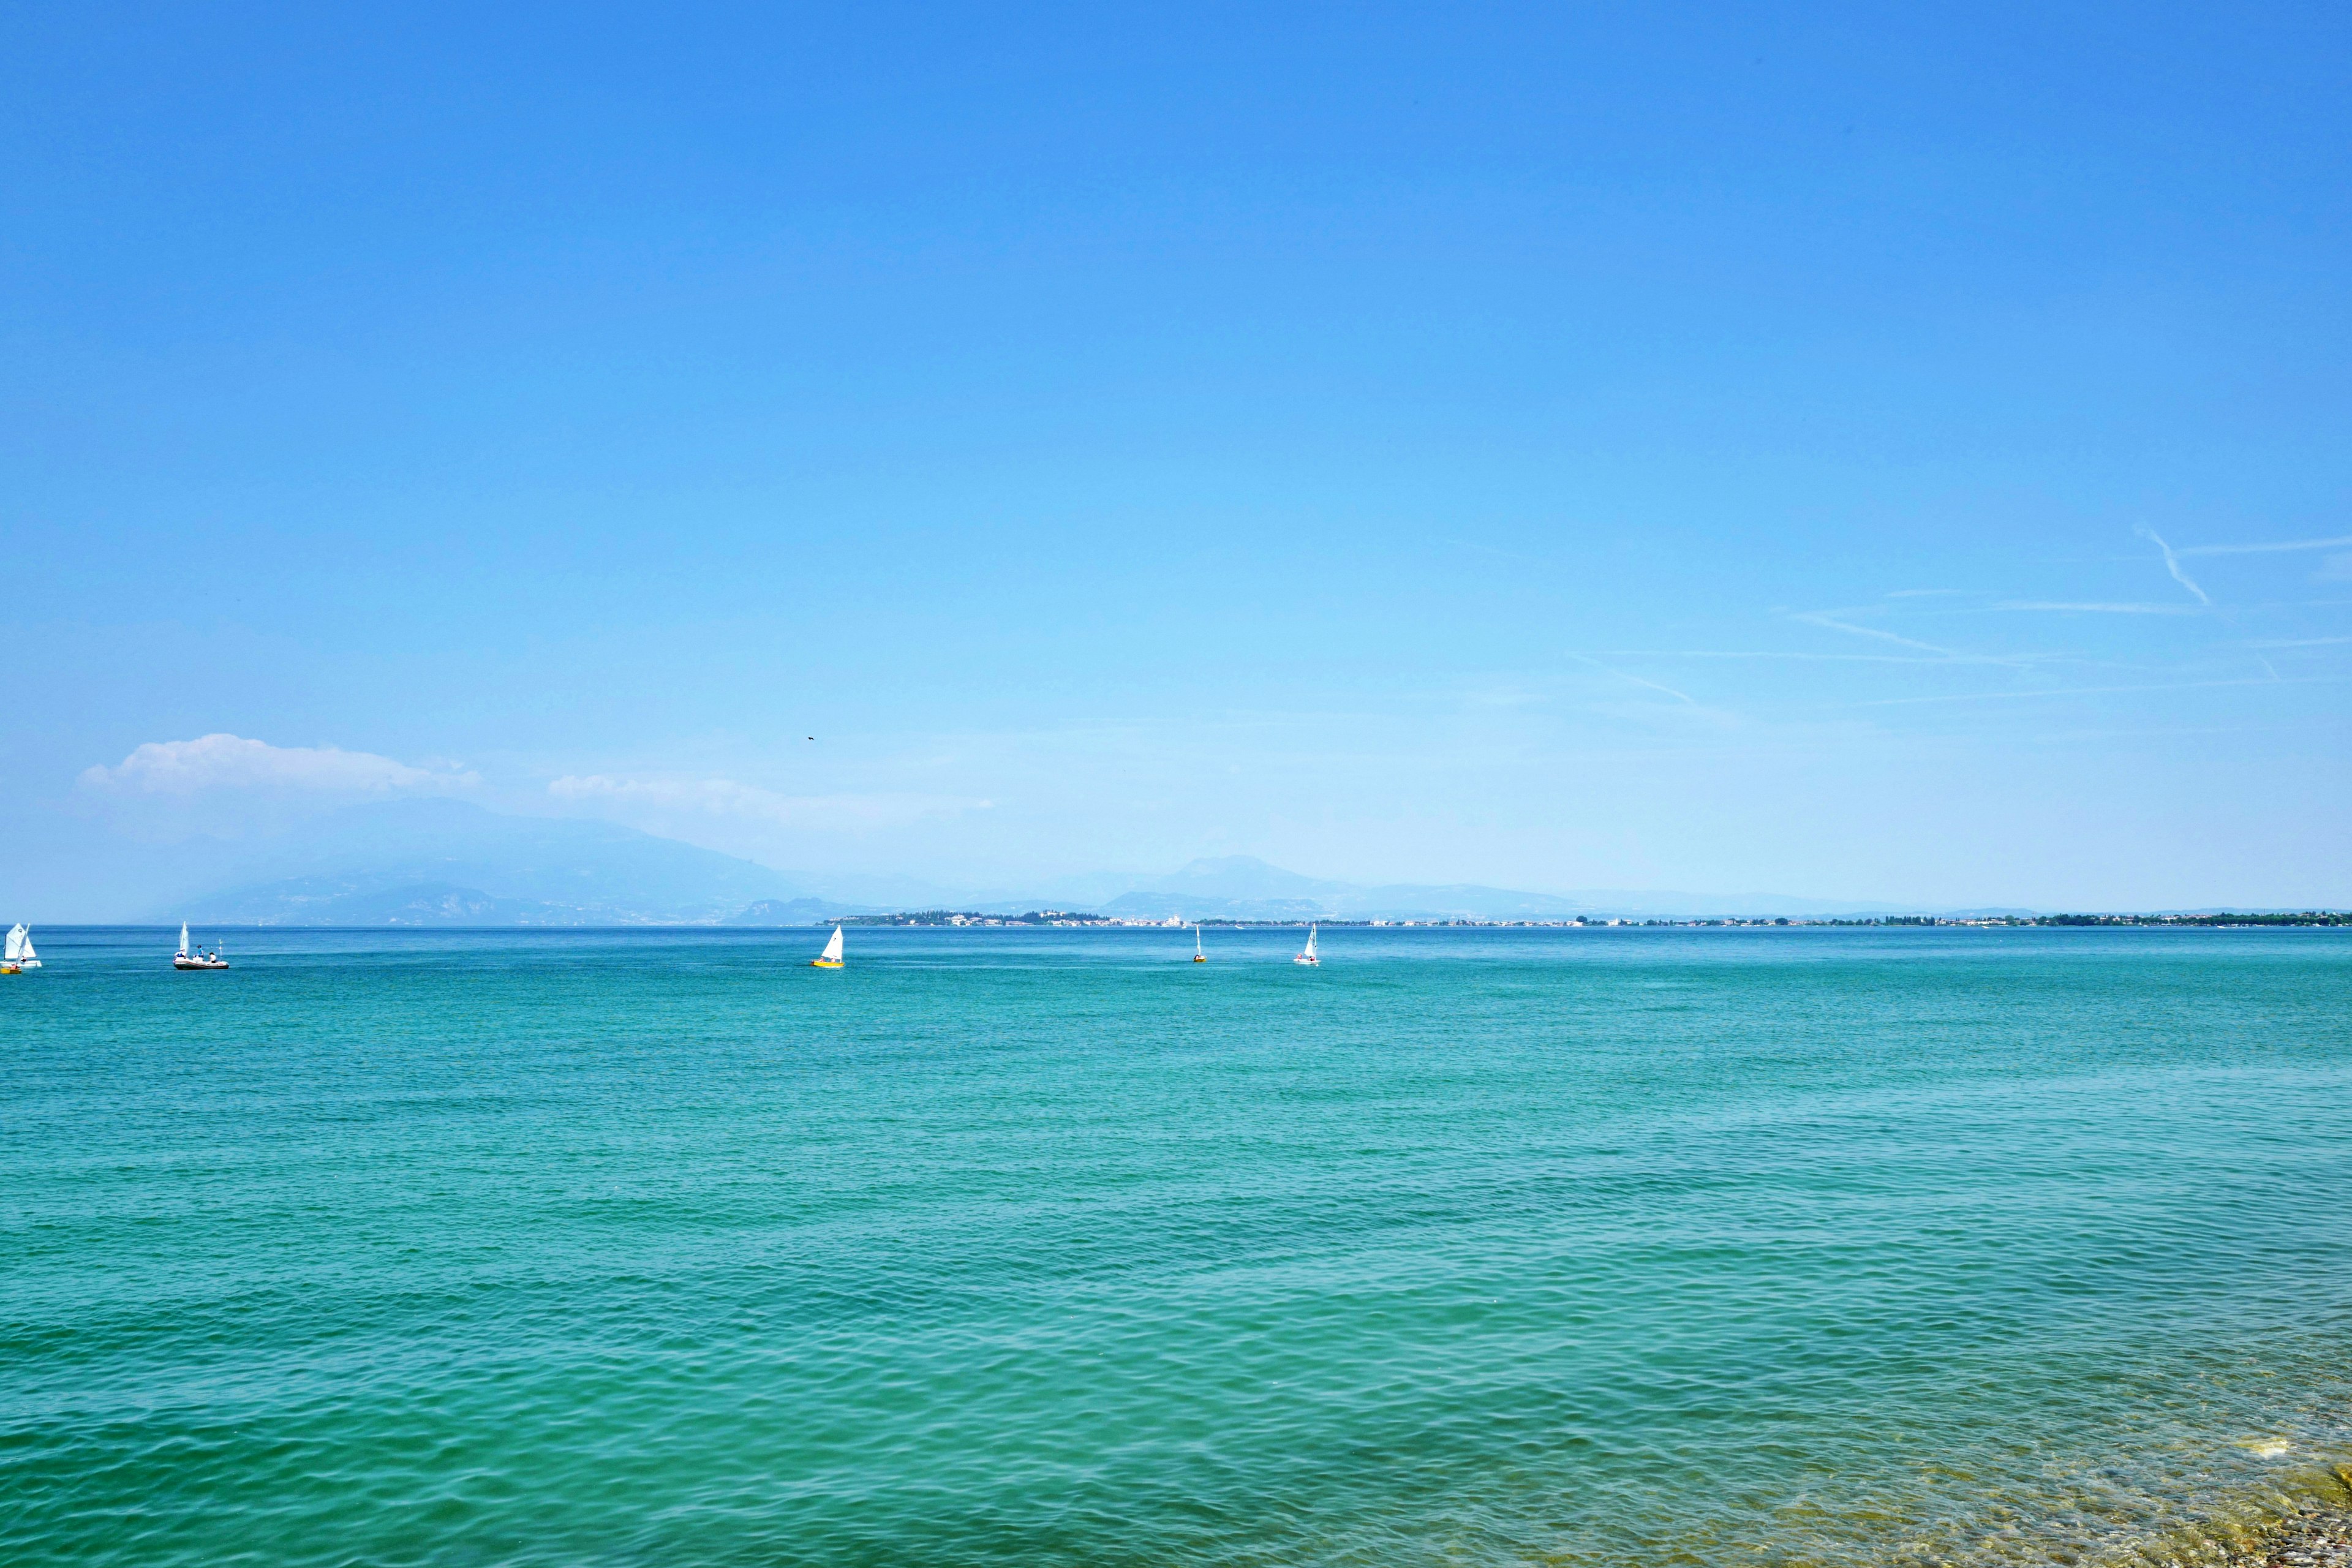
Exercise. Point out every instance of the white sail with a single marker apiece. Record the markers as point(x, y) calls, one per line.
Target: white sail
point(833, 948)
point(16, 945)
point(28, 956)
point(183, 940)
point(1310, 942)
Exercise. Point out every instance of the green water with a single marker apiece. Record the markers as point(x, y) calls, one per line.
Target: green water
point(1605, 1247)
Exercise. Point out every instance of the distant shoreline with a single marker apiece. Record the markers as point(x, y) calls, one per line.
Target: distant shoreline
point(960, 919)
point(1049, 920)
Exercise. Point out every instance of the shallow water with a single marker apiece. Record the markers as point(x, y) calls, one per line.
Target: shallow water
point(996, 1247)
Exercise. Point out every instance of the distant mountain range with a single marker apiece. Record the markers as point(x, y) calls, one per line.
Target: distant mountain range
point(444, 862)
point(1240, 886)
point(796, 912)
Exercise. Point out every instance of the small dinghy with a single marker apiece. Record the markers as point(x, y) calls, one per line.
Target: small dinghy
point(1308, 957)
point(196, 957)
point(831, 957)
point(21, 955)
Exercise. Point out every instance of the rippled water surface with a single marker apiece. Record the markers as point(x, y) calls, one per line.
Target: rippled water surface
point(1605, 1247)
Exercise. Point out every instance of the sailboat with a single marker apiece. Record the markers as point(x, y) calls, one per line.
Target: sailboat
point(21, 956)
point(831, 957)
point(196, 958)
point(1308, 957)
point(1198, 956)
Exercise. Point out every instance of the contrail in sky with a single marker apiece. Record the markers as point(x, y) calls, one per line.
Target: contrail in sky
point(2266, 548)
point(2172, 563)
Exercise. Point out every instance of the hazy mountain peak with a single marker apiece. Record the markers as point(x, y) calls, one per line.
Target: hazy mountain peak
point(438, 861)
point(340, 868)
point(1241, 876)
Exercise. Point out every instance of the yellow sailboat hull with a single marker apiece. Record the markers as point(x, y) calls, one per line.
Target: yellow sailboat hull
point(824, 963)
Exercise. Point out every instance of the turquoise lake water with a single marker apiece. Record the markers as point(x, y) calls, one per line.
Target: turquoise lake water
point(1003, 1247)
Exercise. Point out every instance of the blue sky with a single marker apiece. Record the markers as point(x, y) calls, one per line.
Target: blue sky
point(1852, 453)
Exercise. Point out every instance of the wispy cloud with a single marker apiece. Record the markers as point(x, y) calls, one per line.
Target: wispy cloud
point(1503, 694)
point(2339, 542)
point(1490, 550)
point(2066, 691)
point(1819, 618)
point(727, 798)
point(2097, 609)
point(1769, 653)
point(1943, 654)
point(2172, 563)
point(2299, 642)
point(1638, 680)
point(1655, 686)
point(232, 762)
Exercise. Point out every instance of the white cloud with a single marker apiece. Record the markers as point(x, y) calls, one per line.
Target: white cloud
point(232, 762)
point(727, 798)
